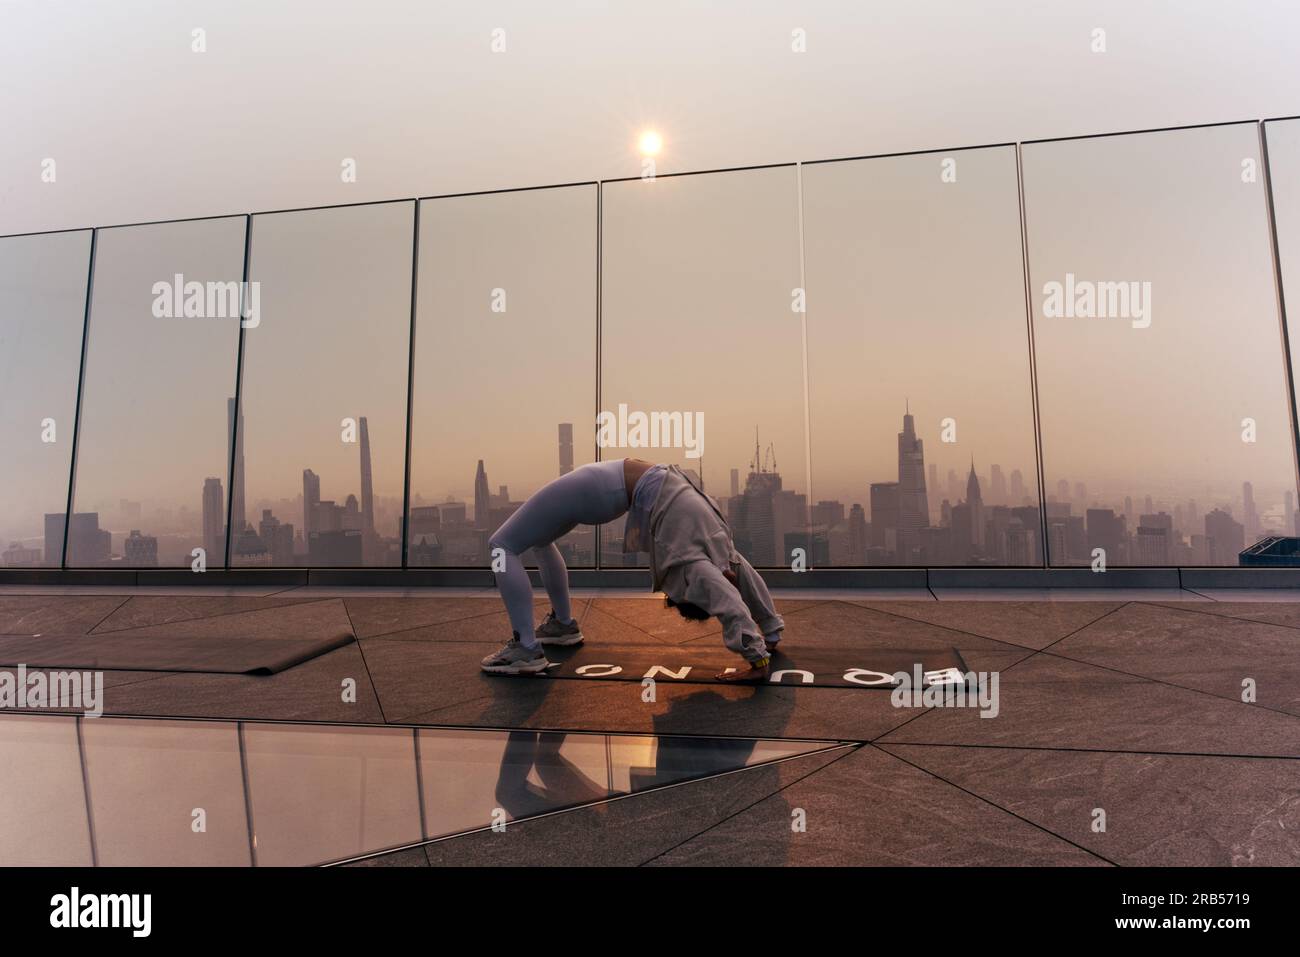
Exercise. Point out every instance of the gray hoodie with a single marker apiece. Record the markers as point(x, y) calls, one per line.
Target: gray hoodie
point(691, 548)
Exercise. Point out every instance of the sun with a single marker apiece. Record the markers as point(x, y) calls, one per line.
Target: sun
point(650, 143)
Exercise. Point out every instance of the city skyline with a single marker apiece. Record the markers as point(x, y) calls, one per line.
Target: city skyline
point(915, 296)
point(911, 519)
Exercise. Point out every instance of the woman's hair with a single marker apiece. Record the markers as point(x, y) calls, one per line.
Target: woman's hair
point(687, 610)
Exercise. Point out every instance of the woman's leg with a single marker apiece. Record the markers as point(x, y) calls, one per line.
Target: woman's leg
point(555, 578)
point(590, 495)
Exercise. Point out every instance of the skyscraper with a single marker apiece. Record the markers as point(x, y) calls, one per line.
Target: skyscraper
point(1017, 491)
point(913, 509)
point(857, 535)
point(367, 490)
point(998, 492)
point(482, 497)
point(566, 448)
point(140, 551)
point(884, 516)
point(235, 435)
point(310, 503)
point(975, 502)
point(1250, 517)
point(214, 532)
point(1225, 537)
point(756, 524)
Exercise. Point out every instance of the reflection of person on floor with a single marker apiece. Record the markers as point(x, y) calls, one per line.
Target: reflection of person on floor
point(693, 561)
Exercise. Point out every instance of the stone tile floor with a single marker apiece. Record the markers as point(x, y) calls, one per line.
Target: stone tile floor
point(1123, 707)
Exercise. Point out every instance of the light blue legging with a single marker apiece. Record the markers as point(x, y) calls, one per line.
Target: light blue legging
point(589, 495)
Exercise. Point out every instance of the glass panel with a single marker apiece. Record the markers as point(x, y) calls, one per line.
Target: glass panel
point(1165, 425)
point(1284, 166)
point(315, 793)
point(42, 795)
point(505, 365)
point(918, 362)
point(468, 775)
point(699, 280)
point(153, 453)
point(166, 791)
point(320, 794)
point(323, 403)
point(42, 311)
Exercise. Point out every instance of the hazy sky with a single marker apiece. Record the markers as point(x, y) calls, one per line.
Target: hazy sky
point(143, 128)
point(496, 384)
point(1284, 160)
point(914, 285)
point(332, 344)
point(697, 280)
point(42, 308)
point(153, 410)
point(916, 294)
point(1163, 404)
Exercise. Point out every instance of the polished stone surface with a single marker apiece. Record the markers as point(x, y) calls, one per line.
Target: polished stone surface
point(869, 808)
point(1185, 647)
point(142, 791)
point(627, 832)
point(1160, 810)
point(1123, 699)
point(1028, 623)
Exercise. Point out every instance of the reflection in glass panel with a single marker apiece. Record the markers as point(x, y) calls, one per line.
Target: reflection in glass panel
point(505, 365)
point(42, 311)
point(42, 796)
point(319, 479)
point(153, 451)
point(467, 773)
point(1164, 417)
point(314, 793)
point(1284, 166)
point(319, 794)
point(918, 362)
point(699, 280)
point(139, 820)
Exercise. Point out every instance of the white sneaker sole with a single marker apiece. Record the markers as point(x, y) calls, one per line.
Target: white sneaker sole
point(518, 667)
point(562, 641)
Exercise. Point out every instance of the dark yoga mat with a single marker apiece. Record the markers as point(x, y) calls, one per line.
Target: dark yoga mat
point(827, 667)
point(121, 652)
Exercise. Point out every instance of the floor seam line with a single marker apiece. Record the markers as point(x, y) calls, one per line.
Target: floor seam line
point(1169, 684)
point(370, 679)
point(960, 631)
point(1226, 617)
point(995, 805)
point(849, 751)
point(1066, 750)
point(116, 608)
point(224, 614)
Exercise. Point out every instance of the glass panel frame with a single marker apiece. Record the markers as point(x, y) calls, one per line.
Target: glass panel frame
point(1146, 314)
point(162, 347)
point(504, 361)
point(322, 395)
point(44, 279)
point(702, 269)
point(912, 255)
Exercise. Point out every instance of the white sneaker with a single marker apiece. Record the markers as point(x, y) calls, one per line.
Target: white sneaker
point(516, 659)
